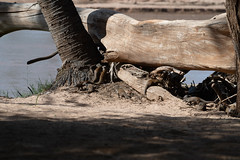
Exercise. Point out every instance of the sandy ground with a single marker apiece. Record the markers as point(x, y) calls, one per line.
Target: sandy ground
point(65, 124)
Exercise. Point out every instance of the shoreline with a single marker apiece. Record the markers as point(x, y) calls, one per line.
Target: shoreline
point(168, 8)
point(149, 6)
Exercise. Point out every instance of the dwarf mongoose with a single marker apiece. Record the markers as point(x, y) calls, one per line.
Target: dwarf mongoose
point(97, 72)
point(149, 83)
point(196, 100)
point(102, 75)
point(121, 93)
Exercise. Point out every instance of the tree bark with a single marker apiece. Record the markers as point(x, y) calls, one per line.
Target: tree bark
point(183, 44)
point(75, 47)
point(233, 16)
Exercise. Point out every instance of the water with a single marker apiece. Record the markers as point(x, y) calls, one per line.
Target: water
point(19, 47)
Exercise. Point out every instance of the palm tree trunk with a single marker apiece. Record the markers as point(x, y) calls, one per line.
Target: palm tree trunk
point(233, 16)
point(75, 46)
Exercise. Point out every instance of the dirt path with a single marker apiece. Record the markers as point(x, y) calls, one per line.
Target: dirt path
point(66, 125)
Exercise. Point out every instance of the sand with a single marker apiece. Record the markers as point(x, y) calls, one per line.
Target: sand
point(69, 125)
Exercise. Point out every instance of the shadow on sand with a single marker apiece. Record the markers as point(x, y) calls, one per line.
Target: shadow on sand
point(113, 137)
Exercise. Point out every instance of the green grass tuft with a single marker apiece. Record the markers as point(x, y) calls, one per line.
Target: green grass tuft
point(36, 89)
point(4, 94)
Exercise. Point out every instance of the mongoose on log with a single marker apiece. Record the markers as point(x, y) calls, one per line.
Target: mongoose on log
point(149, 83)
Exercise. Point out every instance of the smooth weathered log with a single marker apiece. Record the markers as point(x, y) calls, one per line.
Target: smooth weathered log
point(183, 44)
point(15, 17)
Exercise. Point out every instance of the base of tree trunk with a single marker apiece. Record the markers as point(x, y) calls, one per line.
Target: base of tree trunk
point(71, 74)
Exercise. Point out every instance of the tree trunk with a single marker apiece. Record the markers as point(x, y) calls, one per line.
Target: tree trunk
point(233, 16)
point(75, 47)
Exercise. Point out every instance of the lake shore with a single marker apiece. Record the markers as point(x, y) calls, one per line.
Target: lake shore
point(148, 5)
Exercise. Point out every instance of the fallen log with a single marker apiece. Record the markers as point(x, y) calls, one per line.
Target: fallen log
point(183, 44)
